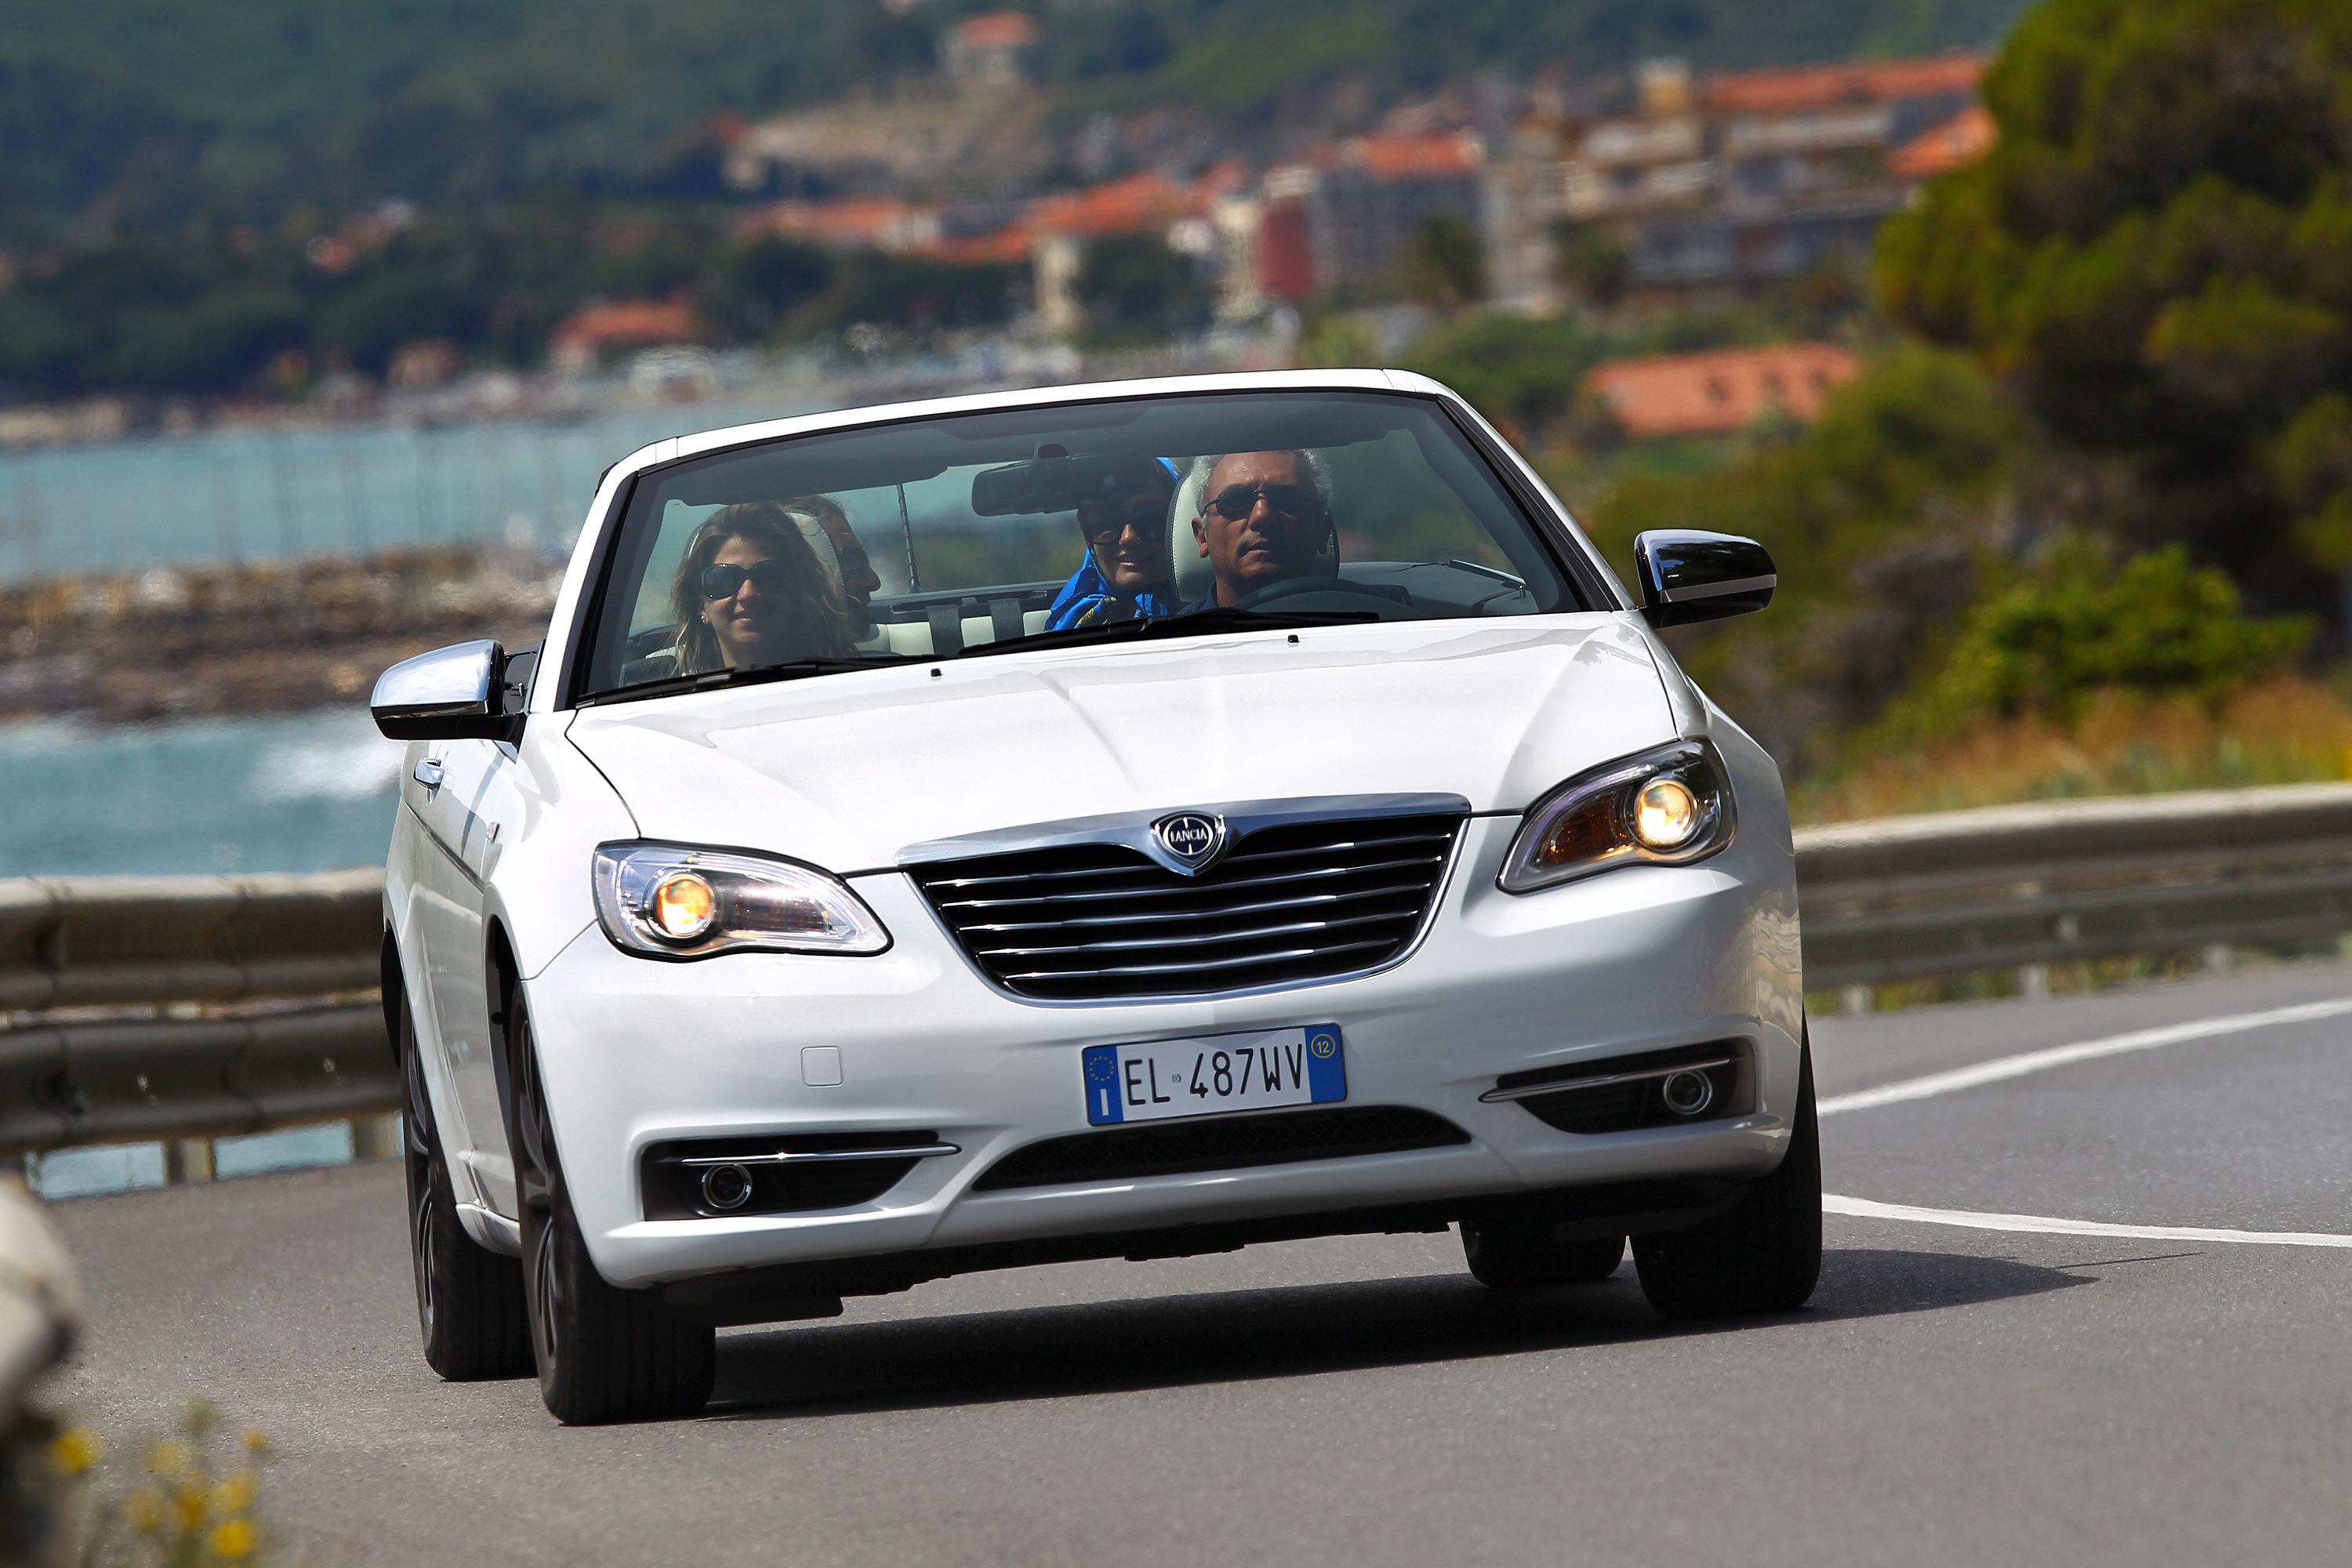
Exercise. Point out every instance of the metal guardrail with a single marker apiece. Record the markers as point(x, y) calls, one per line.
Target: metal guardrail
point(1902, 899)
point(189, 1008)
point(2020, 885)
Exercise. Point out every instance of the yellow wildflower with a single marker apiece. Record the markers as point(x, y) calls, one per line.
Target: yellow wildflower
point(255, 1439)
point(75, 1451)
point(190, 1509)
point(233, 1496)
point(143, 1509)
point(168, 1460)
point(231, 1539)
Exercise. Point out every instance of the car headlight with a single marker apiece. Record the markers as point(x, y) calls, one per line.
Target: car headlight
point(664, 901)
point(1670, 806)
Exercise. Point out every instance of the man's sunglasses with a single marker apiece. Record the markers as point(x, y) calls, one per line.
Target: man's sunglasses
point(724, 582)
point(1238, 501)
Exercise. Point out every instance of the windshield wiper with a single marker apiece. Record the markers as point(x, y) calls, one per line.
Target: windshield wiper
point(753, 674)
point(1196, 623)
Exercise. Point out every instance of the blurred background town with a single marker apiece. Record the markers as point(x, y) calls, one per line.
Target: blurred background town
point(2023, 336)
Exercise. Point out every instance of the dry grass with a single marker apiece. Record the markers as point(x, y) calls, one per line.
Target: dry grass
point(2285, 732)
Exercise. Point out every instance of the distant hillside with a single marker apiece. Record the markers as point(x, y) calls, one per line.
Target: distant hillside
point(151, 110)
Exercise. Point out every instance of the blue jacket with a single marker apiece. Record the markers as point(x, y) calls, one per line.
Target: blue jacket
point(1090, 599)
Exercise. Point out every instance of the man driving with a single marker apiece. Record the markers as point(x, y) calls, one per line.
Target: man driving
point(1264, 517)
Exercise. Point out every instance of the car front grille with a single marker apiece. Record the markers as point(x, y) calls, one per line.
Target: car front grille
point(1221, 1144)
point(1294, 902)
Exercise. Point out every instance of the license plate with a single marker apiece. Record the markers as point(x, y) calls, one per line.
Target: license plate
point(1157, 1080)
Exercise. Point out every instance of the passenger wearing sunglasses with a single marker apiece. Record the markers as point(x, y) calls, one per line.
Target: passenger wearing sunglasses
point(1265, 518)
point(1125, 573)
point(752, 591)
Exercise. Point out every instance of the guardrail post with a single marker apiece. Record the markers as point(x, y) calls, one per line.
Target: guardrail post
point(1856, 998)
point(376, 1137)
point(2218, 960)
point(2033, 981)
point(187, 1160)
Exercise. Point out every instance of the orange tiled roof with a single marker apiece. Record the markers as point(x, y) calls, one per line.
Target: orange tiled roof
point(871, 221)
point(629, 321)
point(1140, 202)
point(1417, 157)
point(998, 30)
point(1703, 393)
point(1956, 143)
point(1809, 87)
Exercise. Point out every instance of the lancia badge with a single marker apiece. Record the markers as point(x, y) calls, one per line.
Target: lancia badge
point(1192, 839)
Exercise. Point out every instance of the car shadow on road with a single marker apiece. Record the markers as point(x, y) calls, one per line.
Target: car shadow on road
point(1035, 1352)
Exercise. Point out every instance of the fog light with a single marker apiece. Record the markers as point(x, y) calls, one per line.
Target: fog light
point(684, 906)
point(1666, 815)
point(726, 1187)
point(1685, 1094)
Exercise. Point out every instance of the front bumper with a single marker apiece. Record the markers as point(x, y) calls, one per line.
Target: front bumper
point(636, 1052)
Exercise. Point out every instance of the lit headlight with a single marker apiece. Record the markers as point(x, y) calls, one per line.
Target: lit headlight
point(1669, 807)
point(672, 902)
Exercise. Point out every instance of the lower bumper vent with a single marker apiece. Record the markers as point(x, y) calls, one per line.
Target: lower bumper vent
point(1651, 1089)
point(711, 1178)
point(1226, 1143)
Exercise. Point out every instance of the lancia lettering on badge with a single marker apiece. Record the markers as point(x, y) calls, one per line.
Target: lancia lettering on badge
point(1192, 839)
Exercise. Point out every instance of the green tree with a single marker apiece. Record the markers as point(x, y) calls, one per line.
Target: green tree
point(2157, 254)
point(1136, 286)
point(1522, 372)
point(1445, 266)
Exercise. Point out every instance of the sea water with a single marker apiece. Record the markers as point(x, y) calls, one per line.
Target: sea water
point(306, 792)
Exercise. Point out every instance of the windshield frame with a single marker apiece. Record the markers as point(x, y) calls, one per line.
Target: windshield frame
point(1585, 575)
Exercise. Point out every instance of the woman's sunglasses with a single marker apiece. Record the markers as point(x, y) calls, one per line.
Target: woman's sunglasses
point(1238, 501)
point(724, 582)
point(1106, 525)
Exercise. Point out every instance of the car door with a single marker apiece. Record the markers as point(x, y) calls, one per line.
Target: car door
point(469, 796)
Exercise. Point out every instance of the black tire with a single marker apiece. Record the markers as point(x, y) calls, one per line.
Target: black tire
point(468, 1298)
point(1513, 1256)
point(604, 1354)
point(1761, 1255)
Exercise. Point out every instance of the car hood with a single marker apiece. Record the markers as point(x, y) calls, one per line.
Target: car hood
point(847, 770)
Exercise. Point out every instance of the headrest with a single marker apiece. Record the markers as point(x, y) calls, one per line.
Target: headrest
point(1188, 575)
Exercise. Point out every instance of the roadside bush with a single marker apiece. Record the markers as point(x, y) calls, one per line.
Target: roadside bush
point(2160, 626)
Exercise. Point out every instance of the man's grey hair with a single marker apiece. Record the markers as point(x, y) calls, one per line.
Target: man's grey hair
point(1311, 463)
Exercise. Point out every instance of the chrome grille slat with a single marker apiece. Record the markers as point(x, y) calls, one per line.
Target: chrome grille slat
point(1254, 961)
point(1210, 939)
point(1154, 892)
point(1288, 904)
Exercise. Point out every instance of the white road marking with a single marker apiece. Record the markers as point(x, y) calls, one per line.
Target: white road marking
point(1864, 1208)
point(2088, 1050)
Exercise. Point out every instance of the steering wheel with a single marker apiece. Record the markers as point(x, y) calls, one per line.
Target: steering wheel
point(1368, 596)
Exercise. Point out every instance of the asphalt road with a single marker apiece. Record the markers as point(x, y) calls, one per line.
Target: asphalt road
point(1952, 1396)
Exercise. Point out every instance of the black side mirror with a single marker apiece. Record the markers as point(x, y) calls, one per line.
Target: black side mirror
point(456, 693)
point(1690, 575)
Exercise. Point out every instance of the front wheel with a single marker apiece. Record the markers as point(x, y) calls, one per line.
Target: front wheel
point(468, 1298)
point(604, 1354)
point(1761, 1255)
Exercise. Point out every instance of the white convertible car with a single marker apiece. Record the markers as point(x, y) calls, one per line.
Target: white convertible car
point(1119, 821)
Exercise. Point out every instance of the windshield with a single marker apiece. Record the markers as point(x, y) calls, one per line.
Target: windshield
point(963, 536)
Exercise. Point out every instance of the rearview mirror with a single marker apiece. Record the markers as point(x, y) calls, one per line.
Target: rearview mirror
point(455, 693)
point(1057, 482)
point(1690, 575)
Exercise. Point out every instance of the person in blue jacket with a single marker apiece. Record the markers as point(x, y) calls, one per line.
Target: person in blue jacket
point(1125, 573)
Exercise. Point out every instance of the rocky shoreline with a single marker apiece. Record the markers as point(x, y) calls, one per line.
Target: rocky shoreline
point(175, 644)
